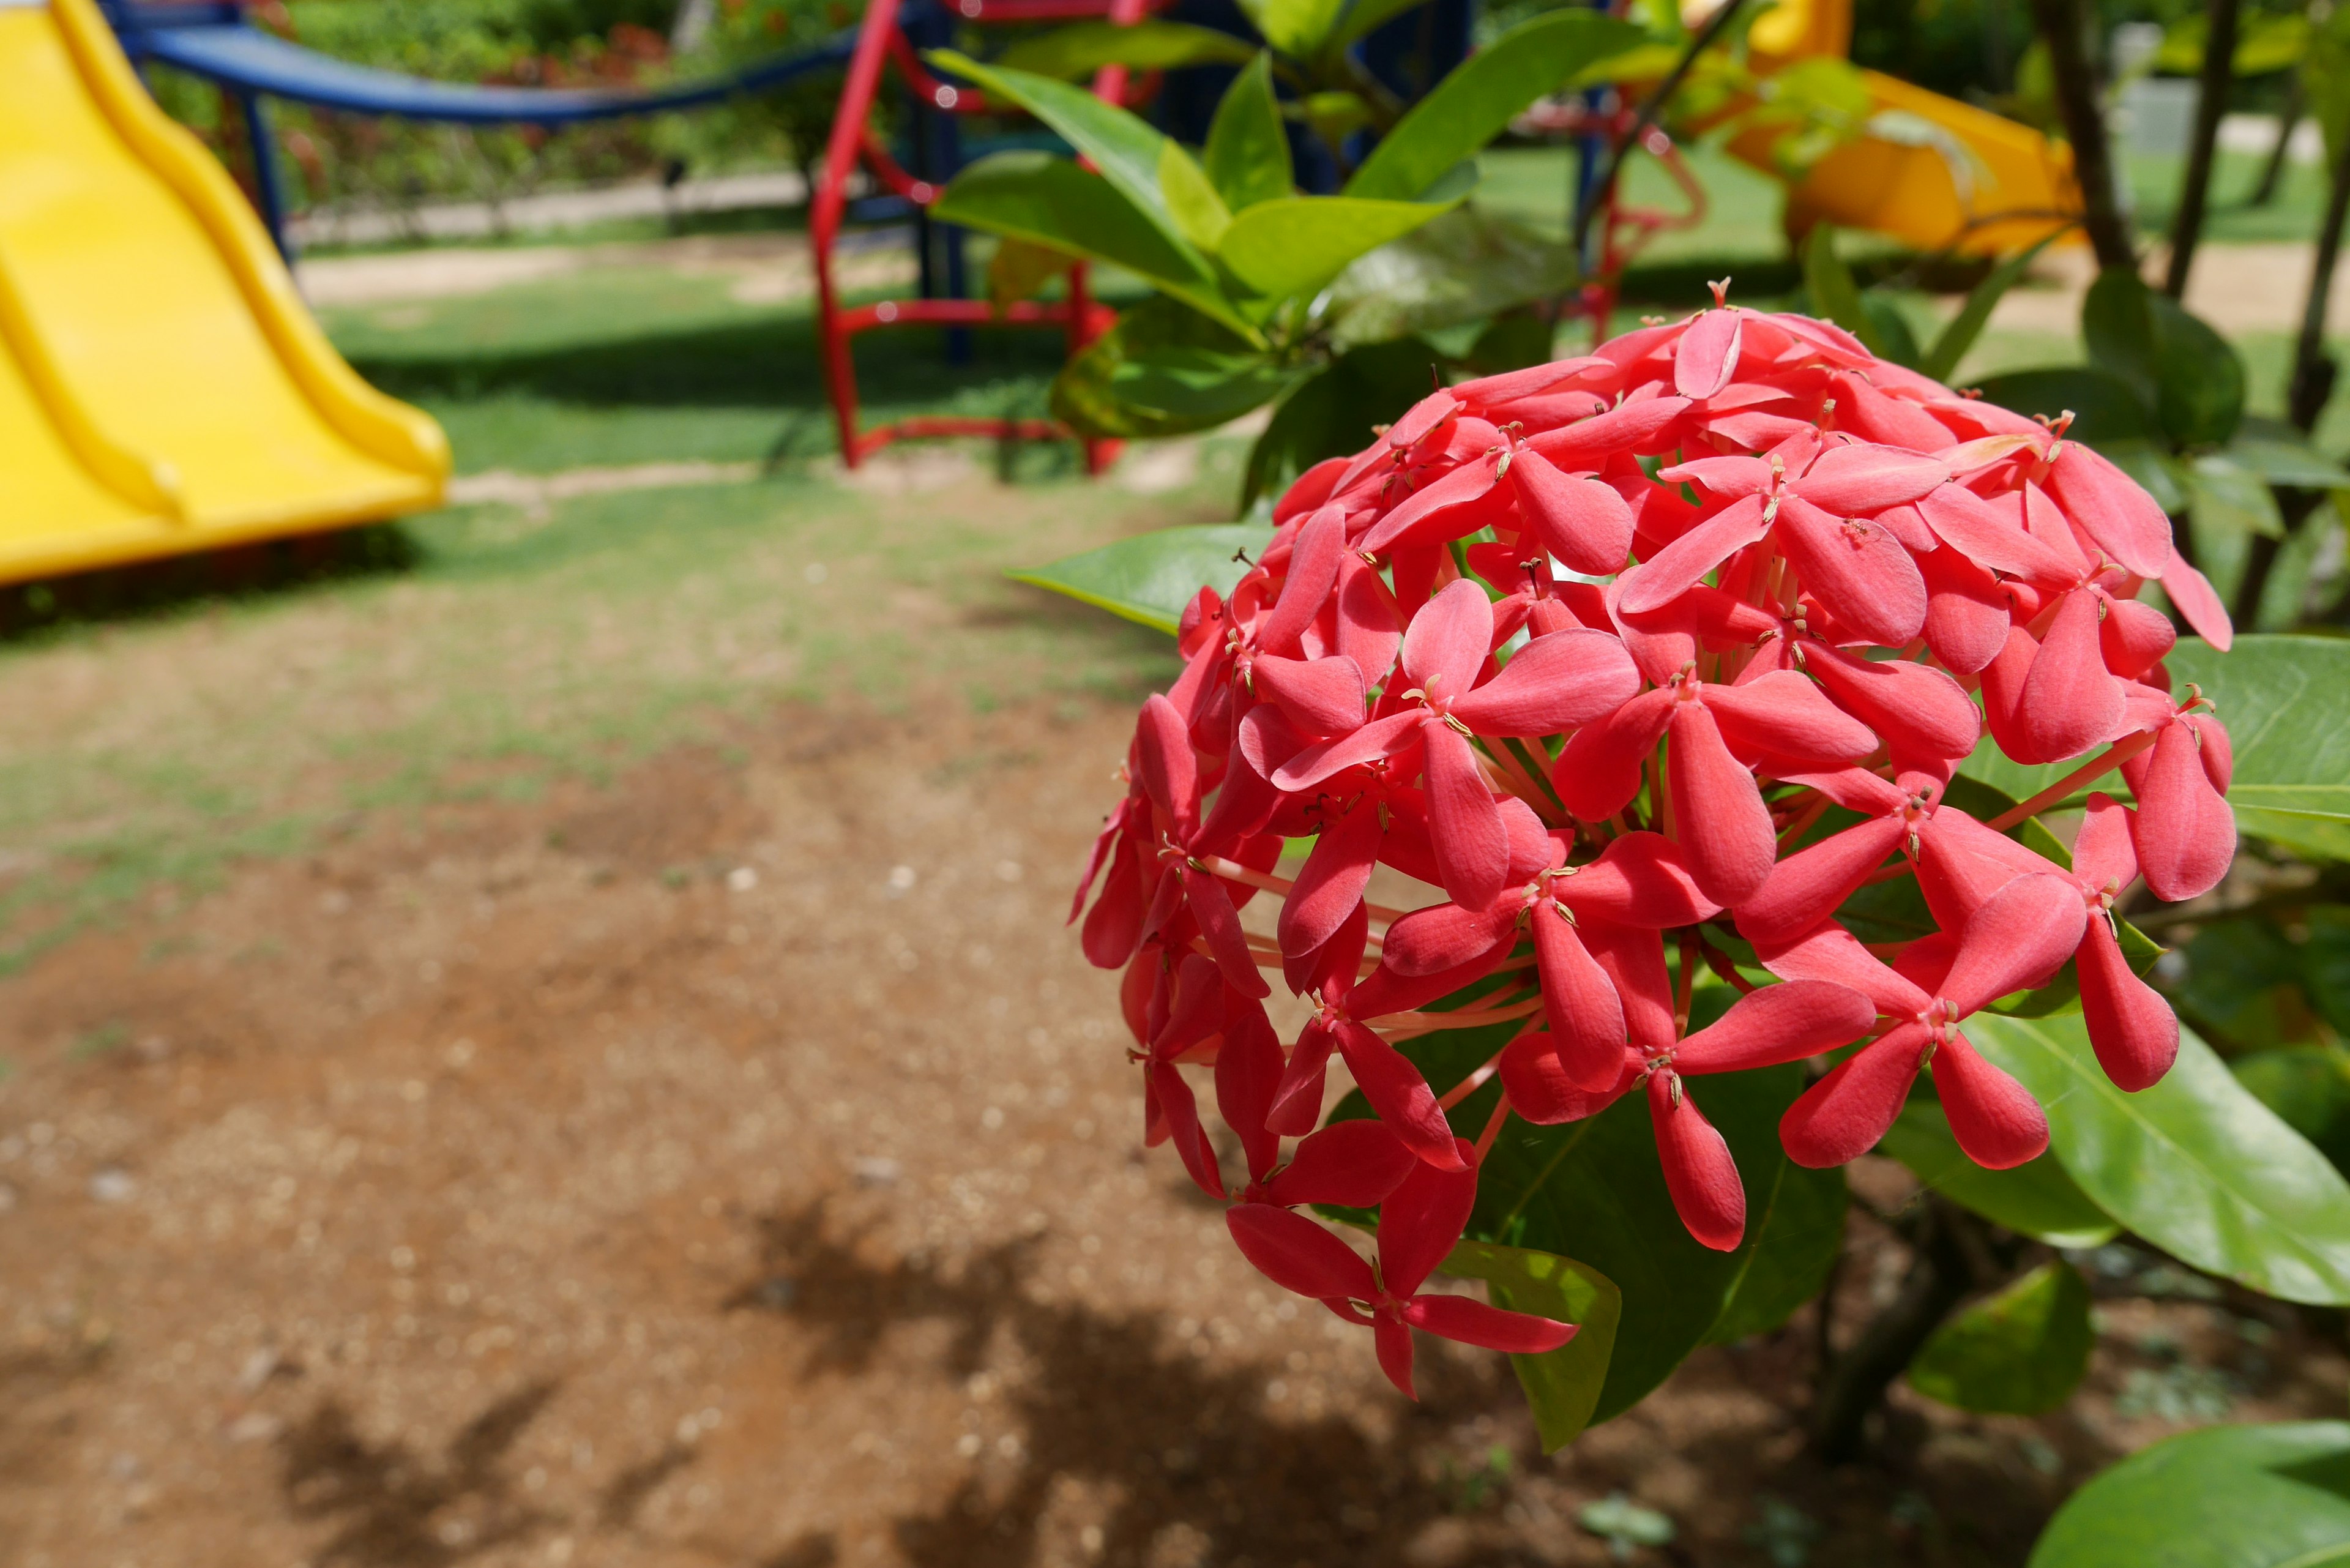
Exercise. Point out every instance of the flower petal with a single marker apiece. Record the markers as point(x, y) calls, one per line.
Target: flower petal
point(1400, 1096)
point(1312, 577)
point(2019, 938)
point(2185, 834)
point(1473, 1322)
point(2114, 508)
point(1329, 887)
point(1248, 1075)
point(1378, 739)
point(1318, 695)
point(1857, 569)
point(1776, 1023)
point(1707, 355)
point(1353, 1164)
point(1422, 1219)
point(1996, 1121)
point(1540, 1091)
point(1586, 1018)
point(1719, 818)
point(1856, 479)
point(1298, 1255)
point(2192, 591)
point(1813, 883)
point(1683, 563)
point(1553, 684)
point(1698, 1171)
point(1447, 643)
point(2131, 1027)
point(1786, 716)
point(1598, 773)
point(2071, 701)
point(1842, 1116)
point(1582, 522)
point(1464, 825)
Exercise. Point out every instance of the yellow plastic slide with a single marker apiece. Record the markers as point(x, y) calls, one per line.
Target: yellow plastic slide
point(163, 387)
point(1958, 195)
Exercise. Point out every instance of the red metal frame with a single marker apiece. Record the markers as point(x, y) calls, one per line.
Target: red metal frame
point(854, 143)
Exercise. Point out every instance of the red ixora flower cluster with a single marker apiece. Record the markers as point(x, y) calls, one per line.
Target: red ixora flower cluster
point(1592, 648)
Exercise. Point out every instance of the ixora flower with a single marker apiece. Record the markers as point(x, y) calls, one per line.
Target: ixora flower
point(1591, 650)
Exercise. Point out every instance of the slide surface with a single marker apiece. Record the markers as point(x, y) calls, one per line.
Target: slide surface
point(163, 387)
point(1946, 175)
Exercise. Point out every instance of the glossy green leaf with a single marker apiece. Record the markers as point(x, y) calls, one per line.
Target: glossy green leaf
point(1562, 1385)
point(1163, 370)
point(1152, 578)
point(2149, 462)
point(1247, 155)
point(1295, 244)
point(2325, 963)
point(2194, 1164)
point(1129, 153)
point(2282, 455)
point(1480, 96)
point(1892, 328)
point(2173, 359)
point(1364, 16)
point(1466, 266)
point(1077, 50)
point(2036, 1198)
point(1792, 1257)
point(2117, 326)
point(2286, 703)
point(1198, 210)
point(1298, 29)
point(1959, 335)
point(1050, 200)
point(1595, 1187)
point(1512, 341)
point(2309, 1086)
point(2019, 1353)
point(2226, 1497)
point(1331, 412)
point(2228, 499)
point(2103, 407)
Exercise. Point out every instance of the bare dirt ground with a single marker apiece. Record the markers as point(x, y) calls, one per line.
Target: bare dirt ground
point(737, 1165)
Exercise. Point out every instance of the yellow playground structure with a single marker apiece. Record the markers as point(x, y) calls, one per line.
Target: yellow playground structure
point(163, 387)
point(1964, 179)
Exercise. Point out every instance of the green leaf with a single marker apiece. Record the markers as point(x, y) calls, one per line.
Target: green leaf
point(2195, 1164)
point(1152, 578)
point(2020, 1353)
point(1331, 412)
point(2117, 324)
point(1479, 97)
point(2282, 455)
point(1790, 1261)
point(1893, 329)
point(2242, 985)
point(2309, 1086)
point(2226, 1497)
point(2286, 703)
point(1596, 1186)
point(1295, 244)
point(2228, 504)
point(1248, 147)
point(1019, 269)
point(1512, 341)
point(1298, 29)
point(1364, 16)
point(1959, 335)
point(1163, 370)
point(1131, 156)
point(1198, 210)
point(2172, 359)
point(2325, 964)
point(2036, 1198)
point(2104, 406)
point(1078, 50)
point(1834, 294)
point(1463, 267)
point(1562, 1385)
point(1049, 201)
point(2149, 461)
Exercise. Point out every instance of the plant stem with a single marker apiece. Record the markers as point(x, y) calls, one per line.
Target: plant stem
point(1854, 1384)
point(2194, 192)
point(2111, 757)
point(2312, 369)
point(2288, 121)
point(2064, 26)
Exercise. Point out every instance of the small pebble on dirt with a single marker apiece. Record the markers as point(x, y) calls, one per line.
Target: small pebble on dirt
point(874, 1171)
point(742, 879)
point(901, 878)
point(113, 1185)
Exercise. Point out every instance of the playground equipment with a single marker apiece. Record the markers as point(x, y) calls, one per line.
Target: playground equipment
point(211, 40)
point(162, 389)
point(893, 33)
point(1982, 185)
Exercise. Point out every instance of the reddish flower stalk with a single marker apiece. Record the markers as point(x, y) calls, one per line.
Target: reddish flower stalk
point(1603, 712)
